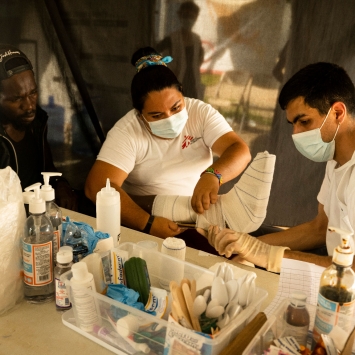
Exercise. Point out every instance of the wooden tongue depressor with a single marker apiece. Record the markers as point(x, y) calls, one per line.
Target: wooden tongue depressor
point(181, 308)
point(193, 289)
point(189, 304)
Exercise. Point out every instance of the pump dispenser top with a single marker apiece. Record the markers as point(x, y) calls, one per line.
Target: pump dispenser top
point(343, 254)
point(47, 192)
point(37, 204)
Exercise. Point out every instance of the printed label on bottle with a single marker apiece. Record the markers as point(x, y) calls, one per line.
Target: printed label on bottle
point(86, 308)
point(327, 316)
point(38, 264)
point(299, 333)
point(56, 241)
point(61, 294)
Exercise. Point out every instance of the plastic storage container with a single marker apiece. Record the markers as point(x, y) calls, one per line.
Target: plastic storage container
point(151, 333)
point(274, 328)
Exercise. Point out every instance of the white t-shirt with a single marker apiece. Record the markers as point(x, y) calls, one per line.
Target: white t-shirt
point(337, 194)
point(164, 166)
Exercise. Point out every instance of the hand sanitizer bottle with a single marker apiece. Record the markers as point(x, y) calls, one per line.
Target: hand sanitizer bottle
point(336, 290)
point(53, 211)
point(108, 212)
point(38, 251)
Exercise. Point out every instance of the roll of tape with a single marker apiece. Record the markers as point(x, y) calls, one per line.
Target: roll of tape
point(175, 247)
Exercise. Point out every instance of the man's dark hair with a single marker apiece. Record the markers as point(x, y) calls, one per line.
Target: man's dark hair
point(151, 78)
point(321, 85)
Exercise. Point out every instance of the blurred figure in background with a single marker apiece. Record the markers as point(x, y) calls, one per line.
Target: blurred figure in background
point(186, 49)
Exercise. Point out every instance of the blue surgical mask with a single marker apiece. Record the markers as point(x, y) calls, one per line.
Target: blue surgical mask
point(311, 145)
point(169, 127)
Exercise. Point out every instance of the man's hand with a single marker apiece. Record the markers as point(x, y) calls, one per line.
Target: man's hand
point(228, 242)
point(164, 228)
point(65, 196)
point(205, 193)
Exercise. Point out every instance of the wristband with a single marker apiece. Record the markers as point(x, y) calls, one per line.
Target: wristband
point(148, 226)
point(214, 172)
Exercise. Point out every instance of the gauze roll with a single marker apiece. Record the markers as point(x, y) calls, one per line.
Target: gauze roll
point(172, 269)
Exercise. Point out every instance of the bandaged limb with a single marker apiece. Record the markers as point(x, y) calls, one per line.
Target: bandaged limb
point(243, 208)
point(228, 242)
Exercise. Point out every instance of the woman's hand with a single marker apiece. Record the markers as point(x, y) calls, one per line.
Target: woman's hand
point(164, 228)
point(205, 193)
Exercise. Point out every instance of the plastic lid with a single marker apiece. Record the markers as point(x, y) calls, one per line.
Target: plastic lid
point(47, 191)
point(298, 299)
point(27, 195)
point(79, 270)
point(108, 195)
point(65, 255)
point(343, 254)
point(37, 204)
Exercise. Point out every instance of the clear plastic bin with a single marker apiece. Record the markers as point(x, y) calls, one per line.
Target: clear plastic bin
point(167, 338)
point(274, 328)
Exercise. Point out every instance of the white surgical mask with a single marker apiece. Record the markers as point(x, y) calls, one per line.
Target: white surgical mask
point(311, 145)
point(169, 127)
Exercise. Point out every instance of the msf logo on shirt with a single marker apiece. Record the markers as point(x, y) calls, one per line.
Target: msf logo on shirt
point(188, 140)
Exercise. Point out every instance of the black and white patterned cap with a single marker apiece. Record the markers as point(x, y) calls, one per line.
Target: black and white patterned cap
point(12, 61)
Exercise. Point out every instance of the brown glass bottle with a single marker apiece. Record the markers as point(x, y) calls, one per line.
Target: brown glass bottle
point(297, 318)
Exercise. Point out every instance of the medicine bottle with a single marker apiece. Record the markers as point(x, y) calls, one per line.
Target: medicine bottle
point(38, 251)
point(297, 318)
point(108, 212)
point(64, 264)
point(336, 290)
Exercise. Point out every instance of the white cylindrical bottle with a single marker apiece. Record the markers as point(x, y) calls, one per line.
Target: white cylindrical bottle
point(86, 309)
point(64, 264)
point(108, 212)
point(38, 251)
point(53, 211)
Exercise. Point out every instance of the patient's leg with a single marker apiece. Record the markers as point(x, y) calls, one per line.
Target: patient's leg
point(242, 209)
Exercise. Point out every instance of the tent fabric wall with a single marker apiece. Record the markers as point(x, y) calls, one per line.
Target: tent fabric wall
point(242, 41)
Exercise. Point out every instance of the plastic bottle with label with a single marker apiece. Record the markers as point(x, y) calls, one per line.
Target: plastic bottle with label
point(108, 212)
point(53, 211)
point(64, 264)
point(86, 310)
point(336, 290)
point(38, 251)
point(297, 318)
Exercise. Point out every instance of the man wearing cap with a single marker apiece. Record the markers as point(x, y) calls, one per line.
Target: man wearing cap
point(23, 126)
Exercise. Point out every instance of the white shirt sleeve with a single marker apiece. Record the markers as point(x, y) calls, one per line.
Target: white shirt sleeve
point(120, 146)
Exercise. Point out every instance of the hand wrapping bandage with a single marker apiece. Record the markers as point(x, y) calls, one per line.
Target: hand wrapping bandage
point(228, 242)
point(243, 208)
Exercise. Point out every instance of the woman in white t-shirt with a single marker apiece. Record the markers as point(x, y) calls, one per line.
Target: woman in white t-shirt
point(165, 145)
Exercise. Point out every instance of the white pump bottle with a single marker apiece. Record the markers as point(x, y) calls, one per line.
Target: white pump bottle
point(53, 211)
point(108, 212)
point(38, 251)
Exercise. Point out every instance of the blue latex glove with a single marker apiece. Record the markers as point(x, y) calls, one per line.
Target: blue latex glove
point(124, 295)
point(91, 237)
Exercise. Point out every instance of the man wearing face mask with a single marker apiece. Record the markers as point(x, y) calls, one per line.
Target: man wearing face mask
point(185, 47)
point(319, 101)
point(165, 146)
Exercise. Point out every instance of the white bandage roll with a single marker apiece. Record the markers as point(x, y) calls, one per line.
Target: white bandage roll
point(172, 269)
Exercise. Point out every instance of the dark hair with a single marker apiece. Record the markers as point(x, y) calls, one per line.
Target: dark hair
point(188, 6)
point(151, 78)
point(321, 85)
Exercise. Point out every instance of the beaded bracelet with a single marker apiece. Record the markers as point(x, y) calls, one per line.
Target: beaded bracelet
point(214, 172)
